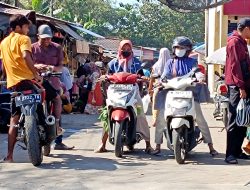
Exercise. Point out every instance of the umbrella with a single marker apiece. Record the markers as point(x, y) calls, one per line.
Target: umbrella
point(219, 56)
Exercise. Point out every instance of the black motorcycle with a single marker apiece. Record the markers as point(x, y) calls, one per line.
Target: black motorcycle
point(36, 128)
point(5, 112)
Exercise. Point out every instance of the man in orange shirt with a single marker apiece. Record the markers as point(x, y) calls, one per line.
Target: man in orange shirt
point(15, 52)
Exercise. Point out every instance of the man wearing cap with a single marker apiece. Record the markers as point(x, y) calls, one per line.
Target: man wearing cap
point(49, 55)
point(237, 77)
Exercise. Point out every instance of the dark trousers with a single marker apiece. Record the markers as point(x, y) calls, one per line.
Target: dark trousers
point(235, 134)
point(84, 95)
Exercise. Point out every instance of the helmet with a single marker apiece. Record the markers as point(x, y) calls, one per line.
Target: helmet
point(182, 41)
point(146, 65)
point(243, 113)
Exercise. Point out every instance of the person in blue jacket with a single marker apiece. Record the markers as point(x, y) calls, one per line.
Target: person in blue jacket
point(178, 66)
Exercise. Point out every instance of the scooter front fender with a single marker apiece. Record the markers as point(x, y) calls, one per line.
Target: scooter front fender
point(120, 115)
point(178, 122)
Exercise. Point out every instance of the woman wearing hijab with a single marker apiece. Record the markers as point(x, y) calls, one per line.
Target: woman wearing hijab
point(126, 62)
point(178, 66)
point(157, 70)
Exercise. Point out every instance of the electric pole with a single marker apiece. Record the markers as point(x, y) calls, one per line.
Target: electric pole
point(51, 7)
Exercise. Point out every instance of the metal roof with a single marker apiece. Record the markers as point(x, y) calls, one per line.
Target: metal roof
point(79, 27)
point(71, 32)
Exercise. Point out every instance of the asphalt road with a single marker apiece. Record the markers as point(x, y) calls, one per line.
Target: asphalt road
point(81, 168)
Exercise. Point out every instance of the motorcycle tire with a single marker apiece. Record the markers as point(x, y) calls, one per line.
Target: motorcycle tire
point(225, 116)
point(46, 150)
point(33, 141)
point(178, 146)
point(118, 139)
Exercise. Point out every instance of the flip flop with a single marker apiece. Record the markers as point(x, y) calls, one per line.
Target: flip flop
point(4, 160)
point(156, 152)
point(214, 153)
point(101, 150)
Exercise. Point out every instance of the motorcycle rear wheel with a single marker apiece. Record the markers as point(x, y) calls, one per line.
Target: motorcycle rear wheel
point(33, 141)
point(179, 146)
point(118, 139)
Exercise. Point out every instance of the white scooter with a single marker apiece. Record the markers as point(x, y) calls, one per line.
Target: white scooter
point(181, 132)
point(122, 111)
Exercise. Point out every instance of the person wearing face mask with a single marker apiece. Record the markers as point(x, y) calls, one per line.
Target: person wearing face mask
point(126, 62)
point(178, 66)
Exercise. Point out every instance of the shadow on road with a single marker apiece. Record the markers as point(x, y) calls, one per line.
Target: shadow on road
point(79, 162)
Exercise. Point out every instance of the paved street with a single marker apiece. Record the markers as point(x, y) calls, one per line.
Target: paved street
point(84, 169)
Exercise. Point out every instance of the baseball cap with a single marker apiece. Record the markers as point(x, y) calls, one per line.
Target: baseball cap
point(244, 22)
point(44, 31)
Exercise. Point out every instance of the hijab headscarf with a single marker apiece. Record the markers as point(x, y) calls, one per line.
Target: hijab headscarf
point(164, 56)
point(124, 62)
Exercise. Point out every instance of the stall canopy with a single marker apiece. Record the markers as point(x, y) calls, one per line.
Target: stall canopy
point(86, 31)
point(69, 31)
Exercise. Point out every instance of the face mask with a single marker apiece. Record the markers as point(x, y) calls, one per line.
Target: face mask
point(180, 52)
point(126, 54)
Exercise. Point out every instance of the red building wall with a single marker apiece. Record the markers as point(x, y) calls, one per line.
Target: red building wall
point(237, 8)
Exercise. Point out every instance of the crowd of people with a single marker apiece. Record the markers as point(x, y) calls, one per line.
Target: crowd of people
point(23, 62)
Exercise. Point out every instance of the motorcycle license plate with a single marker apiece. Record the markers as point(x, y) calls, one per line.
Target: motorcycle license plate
point(28, 99)
point(122, 87)
point(180, 94)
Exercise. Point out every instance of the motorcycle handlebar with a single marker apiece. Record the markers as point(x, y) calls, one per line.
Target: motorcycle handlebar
point(51, 74)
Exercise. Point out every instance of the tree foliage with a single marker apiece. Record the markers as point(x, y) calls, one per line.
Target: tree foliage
point(148, 23)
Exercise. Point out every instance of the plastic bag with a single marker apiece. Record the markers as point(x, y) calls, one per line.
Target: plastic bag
point(243, 113)
point(145, 102)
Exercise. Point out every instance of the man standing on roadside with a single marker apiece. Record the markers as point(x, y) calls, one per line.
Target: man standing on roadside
point(237, 77)
point(47, 54)
point(15, 52)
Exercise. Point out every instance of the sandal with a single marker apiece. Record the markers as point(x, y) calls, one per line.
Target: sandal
point(149, 150)
point(4, 160)
point(101, 150)
point(231, 160)
point(213, 153)
point(156, 152)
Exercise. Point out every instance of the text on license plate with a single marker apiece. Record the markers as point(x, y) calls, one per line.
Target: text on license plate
point(29, 99)
point(122, 86)
point(180, 94)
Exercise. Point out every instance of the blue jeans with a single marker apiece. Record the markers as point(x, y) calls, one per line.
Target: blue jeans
point(59, 139)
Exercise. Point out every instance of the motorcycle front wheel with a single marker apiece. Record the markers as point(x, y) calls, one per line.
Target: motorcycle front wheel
point(33, 141)
point(118, 127)
point(179, 145)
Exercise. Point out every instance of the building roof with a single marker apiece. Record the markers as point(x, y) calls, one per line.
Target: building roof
point(109, 44)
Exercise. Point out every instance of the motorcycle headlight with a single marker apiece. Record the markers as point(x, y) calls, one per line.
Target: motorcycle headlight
point(179, 111)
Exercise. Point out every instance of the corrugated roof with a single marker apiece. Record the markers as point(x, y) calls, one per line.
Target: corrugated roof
point(71, 32)
point(108, 43)
point(79, 27)
point(11, 11)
